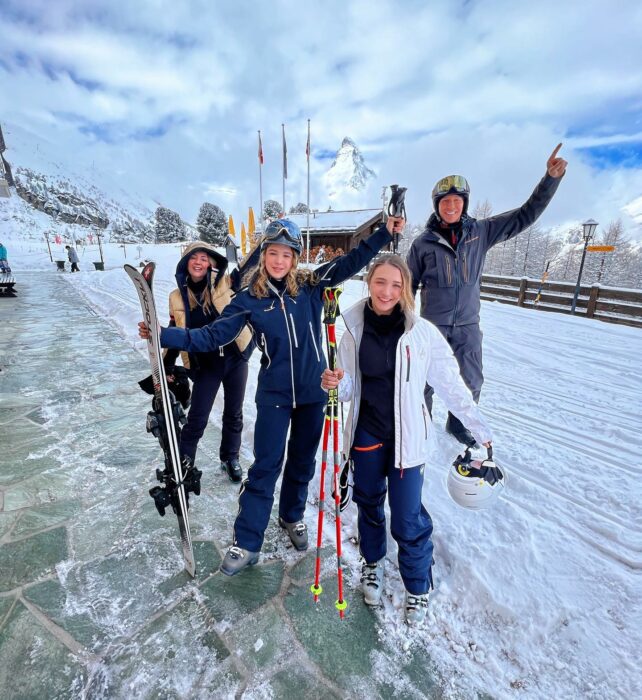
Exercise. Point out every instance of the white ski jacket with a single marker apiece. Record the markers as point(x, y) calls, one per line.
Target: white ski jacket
point(423, 355)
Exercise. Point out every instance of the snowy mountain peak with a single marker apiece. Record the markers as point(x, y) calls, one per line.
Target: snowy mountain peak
point(348, 170)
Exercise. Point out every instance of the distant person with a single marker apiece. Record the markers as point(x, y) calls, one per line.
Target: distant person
point(447, 259)
point(320, 258)
point(73, 258)
point(4, 261)
point(384, 360)
point(282, 303)
point(204, 290)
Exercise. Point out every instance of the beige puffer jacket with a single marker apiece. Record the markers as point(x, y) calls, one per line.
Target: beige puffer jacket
point(221, 290)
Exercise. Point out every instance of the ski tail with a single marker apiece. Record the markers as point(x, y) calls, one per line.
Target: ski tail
point(163, 405)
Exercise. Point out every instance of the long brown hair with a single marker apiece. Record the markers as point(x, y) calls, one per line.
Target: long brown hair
point(206, 295)
point(257, 278)
point(407, 300)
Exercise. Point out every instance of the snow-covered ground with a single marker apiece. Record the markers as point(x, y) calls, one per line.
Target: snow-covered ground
point(540, 596)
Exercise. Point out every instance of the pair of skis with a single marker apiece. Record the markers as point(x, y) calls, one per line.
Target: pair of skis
point(331, 424)
point(165, 421)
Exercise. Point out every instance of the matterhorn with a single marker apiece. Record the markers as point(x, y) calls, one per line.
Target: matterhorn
point(348, 174)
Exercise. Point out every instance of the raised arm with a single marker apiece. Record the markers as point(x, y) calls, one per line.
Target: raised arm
point(237, 274)
point(340, 269)
point(507, 225)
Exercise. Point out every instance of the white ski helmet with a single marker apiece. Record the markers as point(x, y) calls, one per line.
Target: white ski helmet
point(475, 484)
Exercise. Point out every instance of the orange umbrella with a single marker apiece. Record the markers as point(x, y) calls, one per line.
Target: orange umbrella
point(243, 239)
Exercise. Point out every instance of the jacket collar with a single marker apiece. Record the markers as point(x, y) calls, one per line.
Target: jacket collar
point(353, 318)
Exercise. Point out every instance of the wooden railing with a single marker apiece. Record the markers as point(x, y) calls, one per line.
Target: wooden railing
point(612, 304)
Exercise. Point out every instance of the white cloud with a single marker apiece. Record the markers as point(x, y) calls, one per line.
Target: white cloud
point(485, 88)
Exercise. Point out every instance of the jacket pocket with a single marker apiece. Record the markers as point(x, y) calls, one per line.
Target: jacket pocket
point(265, 351)
point(445, 268)
point(296, 340)
point(407, 363)
point(314, 341)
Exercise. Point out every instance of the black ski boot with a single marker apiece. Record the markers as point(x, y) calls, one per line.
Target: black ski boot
point(460, 432)
point(232, 468)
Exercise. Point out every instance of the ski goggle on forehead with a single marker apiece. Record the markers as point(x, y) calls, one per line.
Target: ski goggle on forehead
point(455, 183)
point(285, 229)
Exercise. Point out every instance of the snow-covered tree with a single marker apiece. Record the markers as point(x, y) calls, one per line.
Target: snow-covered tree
point(272, 210)
point(299, 208)
point(211, 224)
point(131, 230)
point(169, 226)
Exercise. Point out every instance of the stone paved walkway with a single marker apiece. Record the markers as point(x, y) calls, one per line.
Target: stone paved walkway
point(93, 599)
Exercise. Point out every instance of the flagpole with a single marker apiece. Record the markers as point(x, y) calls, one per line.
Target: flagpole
point(261, 180)
point(307, 153)
point(285, 166)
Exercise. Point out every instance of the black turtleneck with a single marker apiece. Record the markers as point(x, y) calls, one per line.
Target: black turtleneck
point(197, 316)
point(450, 232)
point(279, 285)
point(377, 354)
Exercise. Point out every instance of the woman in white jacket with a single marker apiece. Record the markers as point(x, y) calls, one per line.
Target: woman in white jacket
point(385, 358)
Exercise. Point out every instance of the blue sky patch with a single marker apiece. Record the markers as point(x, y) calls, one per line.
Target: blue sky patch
point(622, 155)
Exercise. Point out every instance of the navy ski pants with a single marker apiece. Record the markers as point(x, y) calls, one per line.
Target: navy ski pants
point(257, 492)
point(466, 344)
point(410, 524)
point(231, 371)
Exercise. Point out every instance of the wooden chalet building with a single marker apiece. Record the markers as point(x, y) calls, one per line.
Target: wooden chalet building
point(339, 229)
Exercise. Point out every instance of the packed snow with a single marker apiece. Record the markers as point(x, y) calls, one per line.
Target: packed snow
point(540, 596)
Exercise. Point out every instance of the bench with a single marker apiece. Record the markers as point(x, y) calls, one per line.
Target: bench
point(7, 284)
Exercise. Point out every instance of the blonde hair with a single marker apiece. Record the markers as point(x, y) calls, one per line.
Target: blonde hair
point(257, 278)
point(407, 300)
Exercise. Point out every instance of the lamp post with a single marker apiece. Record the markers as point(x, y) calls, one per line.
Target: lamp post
point(588, 230)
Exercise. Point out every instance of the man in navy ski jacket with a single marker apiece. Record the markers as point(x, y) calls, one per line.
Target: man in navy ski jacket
point(447, 259)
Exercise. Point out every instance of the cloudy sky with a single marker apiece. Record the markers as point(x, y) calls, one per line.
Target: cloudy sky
point(168, 96)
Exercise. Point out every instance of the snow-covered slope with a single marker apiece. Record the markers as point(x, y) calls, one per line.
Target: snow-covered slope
point(55, 182)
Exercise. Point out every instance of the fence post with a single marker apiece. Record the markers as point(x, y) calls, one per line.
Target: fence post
point(592, 302)
point(523, 284)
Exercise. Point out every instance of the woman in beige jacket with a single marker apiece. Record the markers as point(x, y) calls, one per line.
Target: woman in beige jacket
point(204, 290)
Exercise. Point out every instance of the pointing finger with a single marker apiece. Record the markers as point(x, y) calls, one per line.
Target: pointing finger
point(556, 151)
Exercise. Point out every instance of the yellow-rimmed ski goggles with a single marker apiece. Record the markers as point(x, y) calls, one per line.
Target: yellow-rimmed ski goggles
point(451, 184)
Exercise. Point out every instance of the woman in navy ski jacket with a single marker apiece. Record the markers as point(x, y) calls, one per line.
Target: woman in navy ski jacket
point(282, 305)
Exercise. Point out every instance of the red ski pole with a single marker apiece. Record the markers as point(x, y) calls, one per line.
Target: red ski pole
point(331, 307)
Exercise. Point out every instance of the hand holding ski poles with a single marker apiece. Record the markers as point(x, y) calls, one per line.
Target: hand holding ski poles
point(395, 224)
point(330, 378)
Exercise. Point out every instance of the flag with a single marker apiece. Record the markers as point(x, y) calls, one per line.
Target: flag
point(285, 155)
point(251, 226)
point(243, 239)
point(260, 150)
point(230, 227)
